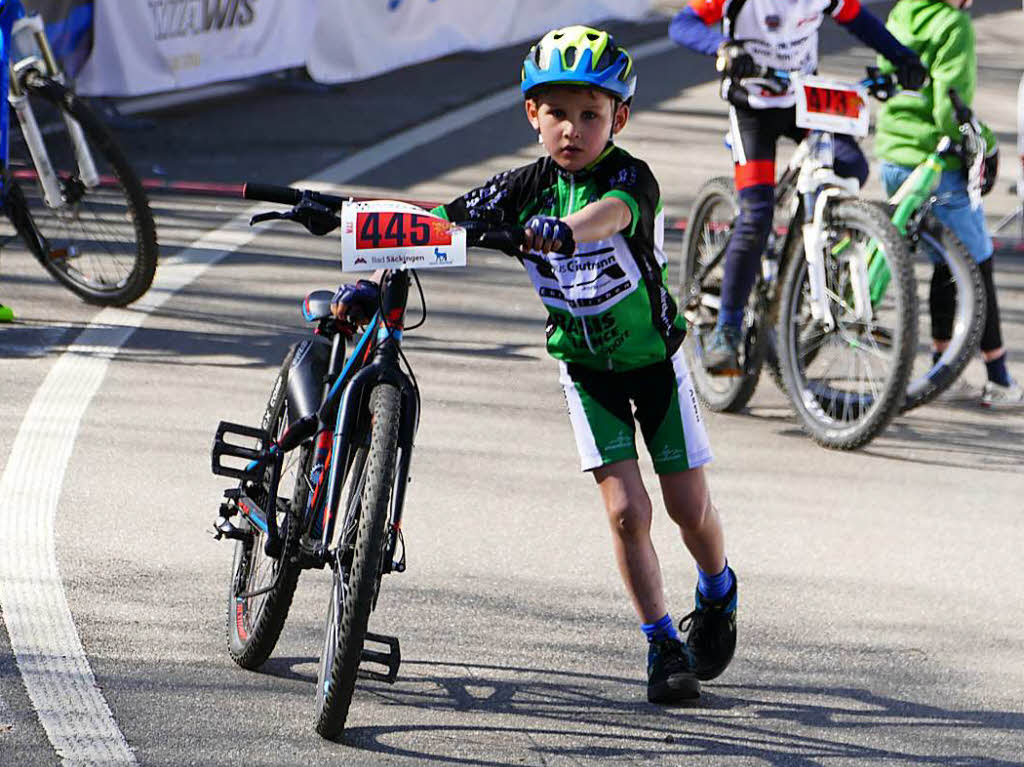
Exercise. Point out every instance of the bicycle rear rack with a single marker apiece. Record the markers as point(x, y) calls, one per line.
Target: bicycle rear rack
point(222, 448)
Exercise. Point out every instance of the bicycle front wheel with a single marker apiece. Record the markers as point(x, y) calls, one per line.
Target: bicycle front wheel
point(707, 235)
point(847, 381)
point(99, 241)
point(263, 582)
point(358, 564)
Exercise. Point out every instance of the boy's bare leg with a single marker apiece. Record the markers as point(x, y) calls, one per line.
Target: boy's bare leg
point(629, 514)
point(688, 502)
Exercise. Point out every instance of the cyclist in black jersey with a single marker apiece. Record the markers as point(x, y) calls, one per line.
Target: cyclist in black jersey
point(614, 329)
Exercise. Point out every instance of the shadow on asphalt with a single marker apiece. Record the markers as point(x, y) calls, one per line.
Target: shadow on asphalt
point(754, 721)
point(779, 725)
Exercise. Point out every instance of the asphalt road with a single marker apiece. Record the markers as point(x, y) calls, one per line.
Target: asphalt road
point(882, 605)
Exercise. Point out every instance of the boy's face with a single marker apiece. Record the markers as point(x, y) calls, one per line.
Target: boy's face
point(575, 123)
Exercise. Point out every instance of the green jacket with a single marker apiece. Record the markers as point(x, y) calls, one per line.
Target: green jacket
point(908, 127)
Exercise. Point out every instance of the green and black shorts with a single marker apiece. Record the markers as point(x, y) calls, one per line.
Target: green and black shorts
point(660, 397)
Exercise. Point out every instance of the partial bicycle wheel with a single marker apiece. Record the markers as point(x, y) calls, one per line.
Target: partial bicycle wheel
point(707, 235)
point(99, 241)
point(357, 569)
point(951, 295)
point(846, 382)
point(263, 580)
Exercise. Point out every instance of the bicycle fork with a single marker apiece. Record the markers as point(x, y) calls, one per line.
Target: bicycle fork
point(820, 186)
point(45, 64)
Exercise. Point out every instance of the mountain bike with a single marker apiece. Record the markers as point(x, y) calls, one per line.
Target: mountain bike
point(954, 292)
point(323, 478)
point(843, 353)
point(65, 185)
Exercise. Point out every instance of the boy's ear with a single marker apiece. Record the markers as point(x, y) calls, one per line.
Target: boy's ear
point(620, 118)
point(532, 109)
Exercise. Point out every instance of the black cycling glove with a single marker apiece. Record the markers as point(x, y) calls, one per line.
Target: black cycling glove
point(734, 61)
point(911, 73)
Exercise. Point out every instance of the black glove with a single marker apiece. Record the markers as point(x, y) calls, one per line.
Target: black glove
point(911, 73)
point(734, 61)
point(360, 300)
point(988, 179)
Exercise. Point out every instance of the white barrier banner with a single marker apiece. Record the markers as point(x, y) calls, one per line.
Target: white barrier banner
point(145, 46)
point(355, 39)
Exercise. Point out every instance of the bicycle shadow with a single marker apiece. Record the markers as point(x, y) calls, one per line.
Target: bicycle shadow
point(578, 715)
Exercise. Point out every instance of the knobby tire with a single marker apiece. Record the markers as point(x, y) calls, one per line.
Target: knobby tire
point(823, 429)
point(90, 226)
point(252, 638)
point(719, 393)
point(354, 593)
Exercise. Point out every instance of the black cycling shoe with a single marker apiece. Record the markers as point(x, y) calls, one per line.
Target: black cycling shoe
point(711, 638)
point(670, 677)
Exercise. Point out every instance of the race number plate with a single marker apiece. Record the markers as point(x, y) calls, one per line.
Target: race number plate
point(386, 234)
point(828, 105)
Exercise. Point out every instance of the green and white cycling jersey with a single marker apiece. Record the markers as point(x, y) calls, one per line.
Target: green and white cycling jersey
point(608, 304)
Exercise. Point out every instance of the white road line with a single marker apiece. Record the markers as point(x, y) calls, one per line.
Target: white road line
point(45, 641)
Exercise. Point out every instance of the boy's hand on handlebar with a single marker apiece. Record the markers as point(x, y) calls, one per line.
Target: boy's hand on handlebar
point(356, 303)
point(988, 180)
point(734, 61)
point(545, 234)
point(911, 73)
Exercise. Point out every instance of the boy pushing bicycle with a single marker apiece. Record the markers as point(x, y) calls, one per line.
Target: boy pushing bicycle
point(614, 329)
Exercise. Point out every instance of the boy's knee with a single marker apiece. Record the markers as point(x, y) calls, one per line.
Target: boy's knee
point(692, 512)
point(630, 517)
point(755, 217)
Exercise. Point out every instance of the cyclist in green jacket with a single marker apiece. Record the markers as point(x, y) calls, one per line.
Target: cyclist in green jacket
point(909, 128)
point(614, 328)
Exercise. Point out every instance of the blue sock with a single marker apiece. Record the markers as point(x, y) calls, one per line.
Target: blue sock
point(733, 317)
point(662, 629)
point(714, 587)
point(997, 372)
point(935, 357)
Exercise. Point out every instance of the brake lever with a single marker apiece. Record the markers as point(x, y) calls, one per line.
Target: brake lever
point(271, 215)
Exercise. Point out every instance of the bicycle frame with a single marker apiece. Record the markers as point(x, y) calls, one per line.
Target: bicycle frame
point(347, 393)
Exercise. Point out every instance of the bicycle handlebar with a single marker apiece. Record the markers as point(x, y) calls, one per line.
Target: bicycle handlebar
point(881, 86)
point(289, 195)
point(480, 232)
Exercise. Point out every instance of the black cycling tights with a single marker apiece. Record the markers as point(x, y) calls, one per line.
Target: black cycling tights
point(942, 304)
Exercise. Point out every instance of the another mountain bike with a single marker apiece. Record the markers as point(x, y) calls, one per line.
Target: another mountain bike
point(843, 352)
point(65, 185)
point(323, 478)
point(953, 293)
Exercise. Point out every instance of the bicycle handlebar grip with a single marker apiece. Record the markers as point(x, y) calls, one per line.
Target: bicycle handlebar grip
point(963, 112)
point(285, 195)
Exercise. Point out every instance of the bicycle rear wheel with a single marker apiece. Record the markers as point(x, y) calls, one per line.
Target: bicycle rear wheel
point(707, 234)
point(945, 268)
point(100, 242)
point(254, 622)
point(847, 382)
point(357, 569)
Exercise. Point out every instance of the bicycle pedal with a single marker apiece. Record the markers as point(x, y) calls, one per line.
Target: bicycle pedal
point(391, 658)
point(222, 448)
point(222, 528)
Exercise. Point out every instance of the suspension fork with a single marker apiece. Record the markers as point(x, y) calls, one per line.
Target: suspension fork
point(45, 65)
